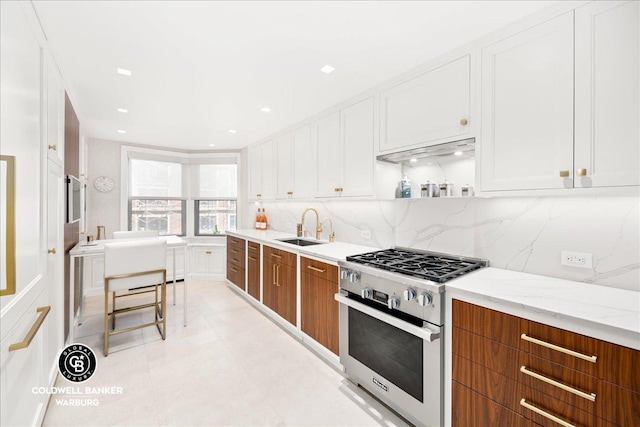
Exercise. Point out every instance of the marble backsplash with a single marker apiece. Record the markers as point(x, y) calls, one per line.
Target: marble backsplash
point(521, 234)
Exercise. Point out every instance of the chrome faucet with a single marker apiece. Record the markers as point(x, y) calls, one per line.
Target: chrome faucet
point(318, 225)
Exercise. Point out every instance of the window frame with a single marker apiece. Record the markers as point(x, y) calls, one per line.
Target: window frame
point(196, 214)
point(183, 222)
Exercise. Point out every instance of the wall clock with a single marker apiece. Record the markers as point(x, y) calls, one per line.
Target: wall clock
point(104, 184)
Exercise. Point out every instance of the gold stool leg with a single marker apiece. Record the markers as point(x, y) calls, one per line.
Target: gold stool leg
point(113, 306)
point(106, 321)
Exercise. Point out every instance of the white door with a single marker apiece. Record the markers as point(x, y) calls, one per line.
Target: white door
point(20, 132)
point(356, 123)
point(428, 108)
point(527, 108)
point(284, 166)
point(328, 155)
point(303, 166)
point(607, 141)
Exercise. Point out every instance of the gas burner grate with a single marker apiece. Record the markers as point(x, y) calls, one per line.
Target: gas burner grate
point(435, 267)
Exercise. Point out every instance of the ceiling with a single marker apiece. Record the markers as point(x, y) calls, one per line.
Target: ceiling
point(200, 69)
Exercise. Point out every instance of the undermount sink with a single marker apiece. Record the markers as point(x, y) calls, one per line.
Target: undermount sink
point(300, 242)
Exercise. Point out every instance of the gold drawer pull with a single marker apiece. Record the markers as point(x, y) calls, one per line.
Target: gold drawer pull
point(51, 251)
point(289, 193)
point(591, 397)
point(564, 174)
point(545, 414)
point(258, 195)
point(277, 275)
point(234, 270)
point(208, 252)
point(276, 255)
point(33, 331)
point(252, 258)
point(234, 251)
point(53, 147)
point(591, 359)
point(235, 260)
point(315, 269)
point(463, 122)
point(581, 172)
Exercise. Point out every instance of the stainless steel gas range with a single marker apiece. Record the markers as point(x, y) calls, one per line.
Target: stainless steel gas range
point(391, 323)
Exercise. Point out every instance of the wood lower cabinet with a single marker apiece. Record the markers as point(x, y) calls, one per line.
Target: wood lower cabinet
point(253, 269)
point(319, 310)
point(279, 278)
point(236, 261)
point(538, 372)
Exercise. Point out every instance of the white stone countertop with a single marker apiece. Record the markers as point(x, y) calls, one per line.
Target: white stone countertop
point(330, 251)
point(603, 312)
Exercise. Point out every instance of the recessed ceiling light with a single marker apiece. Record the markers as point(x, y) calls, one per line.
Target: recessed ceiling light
point(265, 109)
point(458, 153)
point(413, 160)
point(122, 131)
point(212, 145)
point(124, 72)
point(122, 110)
point(233, 131)
point(327, 69)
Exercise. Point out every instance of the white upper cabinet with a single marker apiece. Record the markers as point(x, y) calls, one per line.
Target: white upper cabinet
point(607, 134)
point(344, 146)
point(55, 113)
point(294, 162)
point(261, 185)
point(428, 109)
point(527, 108)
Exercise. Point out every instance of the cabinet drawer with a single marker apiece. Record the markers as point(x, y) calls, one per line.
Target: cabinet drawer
point(571, 349)
point(253, 247)
point(471, 409)
point(280, 256)
point(489, 354)
point(236, 256)
point(553, 408)
point(235, 275)
point(490, 323)
point(619, 365)
point(320, 269)
point(235, 242)
point(617, 405)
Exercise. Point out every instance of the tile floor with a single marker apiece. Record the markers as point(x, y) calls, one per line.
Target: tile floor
point(231, 366)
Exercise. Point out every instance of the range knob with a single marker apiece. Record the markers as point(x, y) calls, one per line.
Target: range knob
point(393, 303)
point(344, 274)
point(354, 276)
point(409, 294)
point(425, 299)
point(366, 293)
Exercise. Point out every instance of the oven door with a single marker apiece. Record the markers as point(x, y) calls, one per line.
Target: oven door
point(398, 362)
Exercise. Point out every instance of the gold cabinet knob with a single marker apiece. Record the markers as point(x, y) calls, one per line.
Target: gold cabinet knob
point(51, 251)
point(463, 122)
point(290, 193)
point(208, 252)
point(258, 195)
point(53, 147)
point(564, 174)
point(581, 172)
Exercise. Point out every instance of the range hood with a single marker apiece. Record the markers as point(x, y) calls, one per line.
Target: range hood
point(465, 146)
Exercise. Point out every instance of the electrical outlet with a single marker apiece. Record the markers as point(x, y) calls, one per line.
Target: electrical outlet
point(366, 234)
point(576, 259)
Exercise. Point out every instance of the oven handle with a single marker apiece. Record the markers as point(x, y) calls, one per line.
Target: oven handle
point(424, 333)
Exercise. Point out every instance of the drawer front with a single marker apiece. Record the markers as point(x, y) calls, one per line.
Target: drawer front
point(235, 242)
point(617, 405)
point(566, 386)
point(619, 365)
point(236, 256)
point(235, 274)
point(474, 410)
point(320, 269)
point(489, 354)
point(279, 256)
point(490, 323)
point(253, 247)
point(551, 407)
point(571, 350)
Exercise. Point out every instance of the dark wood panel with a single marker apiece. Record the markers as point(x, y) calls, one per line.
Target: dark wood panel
point(235, 274)
point(253, 275)
point(619, 365)
point(280, 256)
point(490, 354)
point(567, 340)
point(269, 288)
point(236, 256)
point(618, 405)
point(235, 242)
point(319, 310)
point(552, 406)
point(317, 268)
point(71, 139)
point(471, 409)
point(287, 292)
point(490, 323)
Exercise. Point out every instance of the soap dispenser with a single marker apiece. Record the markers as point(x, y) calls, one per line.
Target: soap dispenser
point(405, 188)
